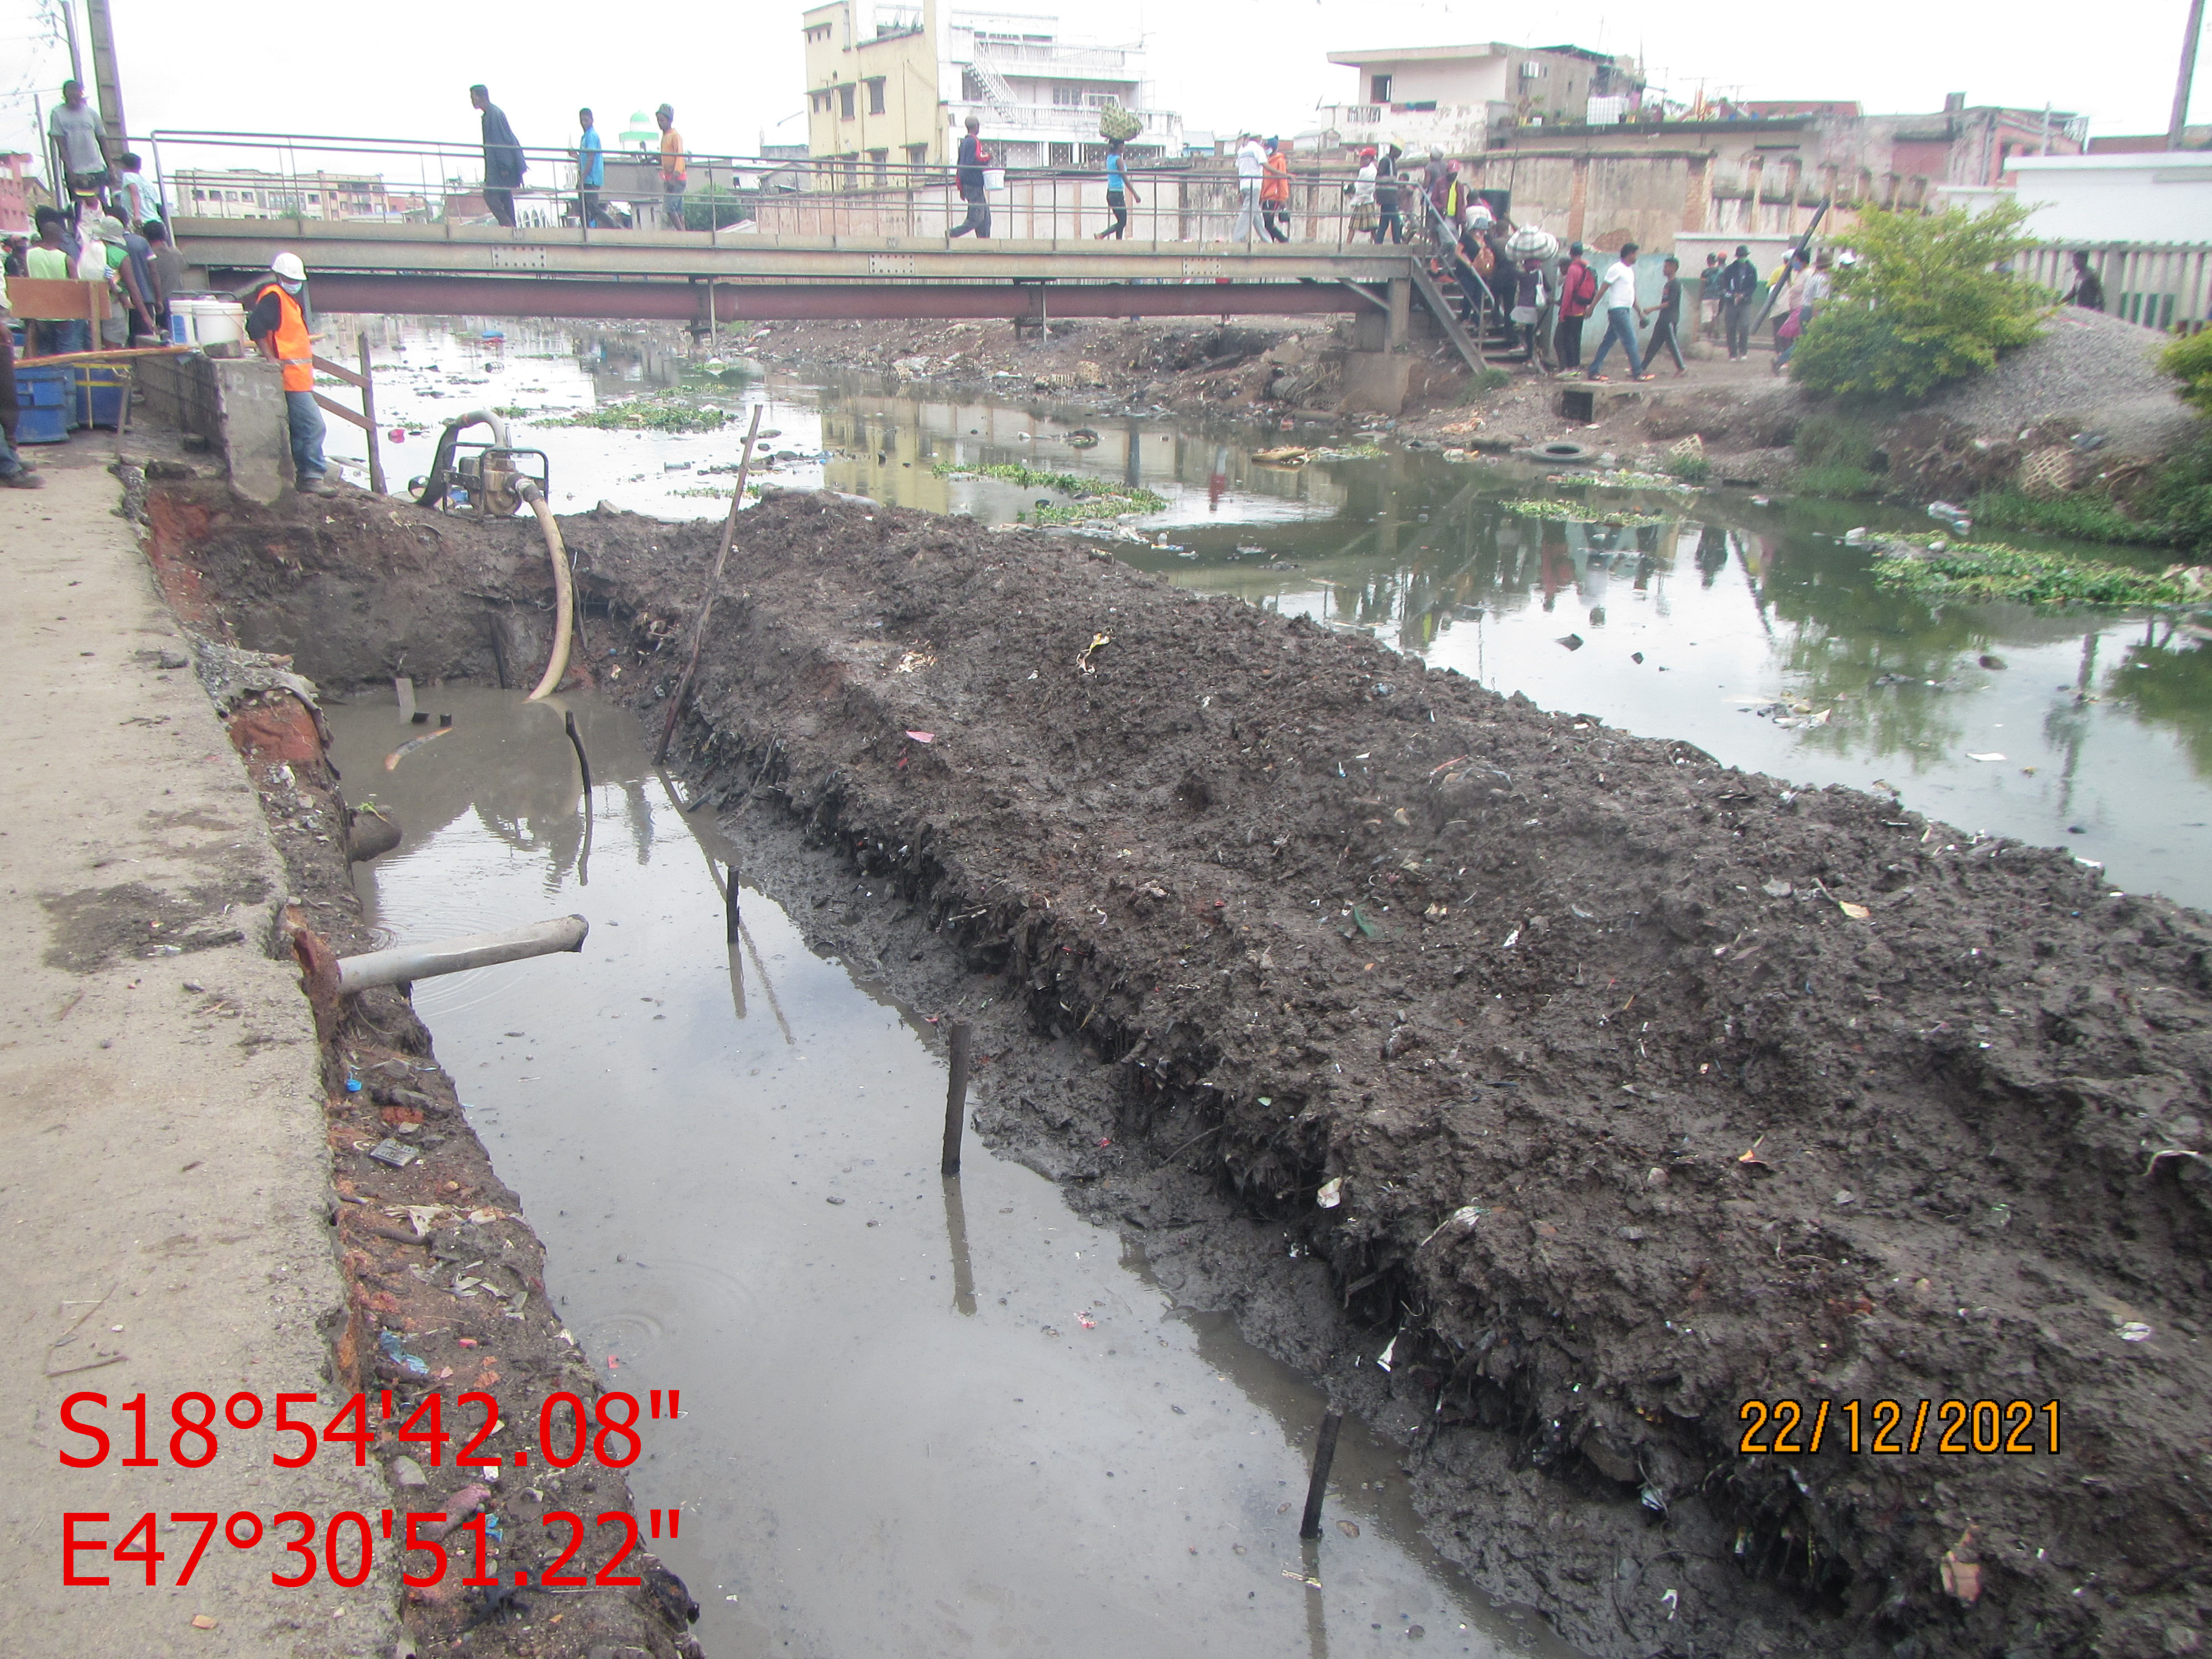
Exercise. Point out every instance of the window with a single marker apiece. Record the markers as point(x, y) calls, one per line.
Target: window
point(817, 32)
point(845, 96)
point(971, 87)
point(1378, 88)
point(882, 159)
point(917, 155)
point(1060, 155)
point(1067, 97)
point(876, 96)
point(820, 100)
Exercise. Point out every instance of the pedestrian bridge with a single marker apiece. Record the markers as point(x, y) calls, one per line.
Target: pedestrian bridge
point(475, 270)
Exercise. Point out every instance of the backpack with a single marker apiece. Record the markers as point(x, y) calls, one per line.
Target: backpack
point(1485, 261)
point(1581, 289)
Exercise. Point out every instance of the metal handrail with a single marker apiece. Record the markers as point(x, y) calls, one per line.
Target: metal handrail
point(853, 195)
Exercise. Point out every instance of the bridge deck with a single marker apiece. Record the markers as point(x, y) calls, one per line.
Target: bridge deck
point(488, 270)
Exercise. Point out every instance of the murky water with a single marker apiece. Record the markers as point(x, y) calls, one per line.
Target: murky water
point(921, 1417)
point(1759, 636)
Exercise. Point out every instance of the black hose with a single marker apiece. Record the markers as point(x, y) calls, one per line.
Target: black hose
point(440, 481)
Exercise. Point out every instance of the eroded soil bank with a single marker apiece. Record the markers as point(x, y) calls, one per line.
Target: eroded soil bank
point(1643, 1088)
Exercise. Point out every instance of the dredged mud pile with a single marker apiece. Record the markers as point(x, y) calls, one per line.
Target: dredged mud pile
point(1642, 1087)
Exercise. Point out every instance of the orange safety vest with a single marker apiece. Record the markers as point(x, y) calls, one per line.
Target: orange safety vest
point(294, 349)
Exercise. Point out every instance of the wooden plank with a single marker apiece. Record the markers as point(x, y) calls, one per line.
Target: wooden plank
point(57, 299)
point(344, 414)
point(339, 369)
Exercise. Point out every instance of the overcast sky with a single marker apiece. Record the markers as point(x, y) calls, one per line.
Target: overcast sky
point(403, 67)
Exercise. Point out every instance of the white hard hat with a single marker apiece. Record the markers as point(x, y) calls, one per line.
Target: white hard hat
point(288, 266)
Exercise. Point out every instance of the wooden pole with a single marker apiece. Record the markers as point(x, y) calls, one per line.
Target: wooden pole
point(2181, 90)
point(731, 922)
point(368, 409)
point(583, 762)
point(1317, 1489)
point(956, 1100)
point(714, 586)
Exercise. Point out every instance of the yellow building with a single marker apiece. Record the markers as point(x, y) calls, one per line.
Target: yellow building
point(872, 89)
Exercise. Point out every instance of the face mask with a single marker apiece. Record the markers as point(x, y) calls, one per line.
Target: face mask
point(289, 285)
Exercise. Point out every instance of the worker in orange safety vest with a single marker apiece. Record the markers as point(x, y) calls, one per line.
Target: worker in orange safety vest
point(276, 322)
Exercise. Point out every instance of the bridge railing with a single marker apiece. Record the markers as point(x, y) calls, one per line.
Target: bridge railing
point(248, 175)
point(2162, 285)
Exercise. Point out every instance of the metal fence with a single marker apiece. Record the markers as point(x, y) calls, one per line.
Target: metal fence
point(245, 175)
point(2161, 285)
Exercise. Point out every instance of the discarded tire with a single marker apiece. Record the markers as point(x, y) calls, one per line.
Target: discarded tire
point(1566, 453)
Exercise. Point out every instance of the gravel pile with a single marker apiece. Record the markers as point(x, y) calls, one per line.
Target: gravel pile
point(2088, 369)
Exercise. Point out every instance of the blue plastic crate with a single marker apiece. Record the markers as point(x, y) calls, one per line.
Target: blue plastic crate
point(46, 397)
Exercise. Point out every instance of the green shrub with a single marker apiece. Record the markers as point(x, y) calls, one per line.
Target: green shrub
point(2087, 515)
point(1832, 438)
point(1490, 379)
point(1845, 482)
point(2179, 496)
point(1691, 468)
point(1923, 306)
point(2189, 360)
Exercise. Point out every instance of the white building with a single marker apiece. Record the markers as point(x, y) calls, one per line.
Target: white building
point(1449, 98)
point(1038, 94)
point(253, 193)
point(2158, 196)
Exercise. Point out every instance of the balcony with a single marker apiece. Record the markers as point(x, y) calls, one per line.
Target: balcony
point(1058, 121)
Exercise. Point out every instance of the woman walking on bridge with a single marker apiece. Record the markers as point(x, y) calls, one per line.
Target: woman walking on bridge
point(1119, 194)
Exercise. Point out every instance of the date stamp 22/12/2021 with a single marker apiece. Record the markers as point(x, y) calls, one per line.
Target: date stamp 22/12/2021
point(2012, 1428)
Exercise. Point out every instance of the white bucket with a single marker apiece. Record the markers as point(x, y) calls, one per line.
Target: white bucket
point(994, 178)
point(206, 319)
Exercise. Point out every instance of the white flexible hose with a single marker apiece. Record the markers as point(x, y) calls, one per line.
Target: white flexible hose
point(563, 596)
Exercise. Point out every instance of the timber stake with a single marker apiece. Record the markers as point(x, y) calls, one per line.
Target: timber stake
point(714, 586)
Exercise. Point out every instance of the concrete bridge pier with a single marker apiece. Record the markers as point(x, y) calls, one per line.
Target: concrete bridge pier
point(1378, 367)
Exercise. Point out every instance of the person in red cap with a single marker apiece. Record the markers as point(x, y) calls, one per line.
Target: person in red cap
point(276, 322)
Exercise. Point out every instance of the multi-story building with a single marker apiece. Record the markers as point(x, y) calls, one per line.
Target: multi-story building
point(15, 191)
point(252, 193)
point(1449, 98)
point(891, 86)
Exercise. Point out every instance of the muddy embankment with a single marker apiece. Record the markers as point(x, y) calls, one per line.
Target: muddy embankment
point(1262, 371)
point(1602, 1088)
point(446, 1301)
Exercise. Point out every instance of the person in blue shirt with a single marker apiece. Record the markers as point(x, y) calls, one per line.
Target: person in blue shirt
point(590, 170)
point(1119, 194)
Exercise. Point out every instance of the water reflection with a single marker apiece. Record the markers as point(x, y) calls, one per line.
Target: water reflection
point(1750, 630)
point(918, 1426)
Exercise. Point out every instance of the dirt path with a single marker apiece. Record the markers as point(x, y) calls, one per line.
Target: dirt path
point(159, 1081)
point(1615, 1088)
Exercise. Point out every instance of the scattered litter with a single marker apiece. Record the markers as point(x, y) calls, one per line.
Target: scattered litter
point(1382, 1359)
point(1777, 889)
point(1672, 1599)
point(389, 1343)
point(408, 1473)
point(2134, 1331)
point(1750, 1155)
point(1855, 912)
point(391, 761)
point(1331, 1193)
point(923, 737)
point(397, 1153)
point(1287, 455)
point(203, 1621)
point(1989, 754)
point(1961, 1568)
point(1572, 641)
point(1083, 662)
point(1465, 1216)
point(1349, 1529)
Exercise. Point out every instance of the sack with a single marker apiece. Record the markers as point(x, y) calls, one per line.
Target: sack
point(1115, 122)
point(1792, 326)
point(1485, 261)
